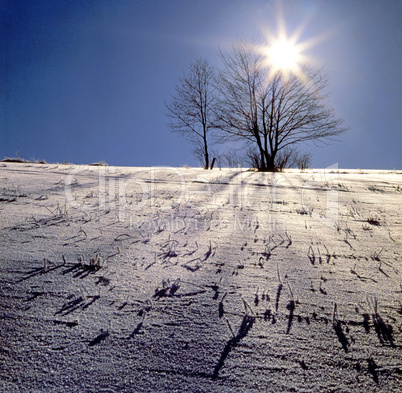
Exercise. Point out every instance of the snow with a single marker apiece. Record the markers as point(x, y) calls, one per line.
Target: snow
point(117, 279)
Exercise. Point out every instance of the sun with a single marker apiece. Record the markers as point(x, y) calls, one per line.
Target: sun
point(284, 55)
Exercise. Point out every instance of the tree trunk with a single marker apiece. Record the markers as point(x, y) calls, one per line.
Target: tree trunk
point(262, 159)
point(206, 155)
point(262, 156)
point(270, 160)
point(270, 164)
point(260, 148)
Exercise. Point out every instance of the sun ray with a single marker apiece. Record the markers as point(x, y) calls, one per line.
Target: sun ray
point(286, 54)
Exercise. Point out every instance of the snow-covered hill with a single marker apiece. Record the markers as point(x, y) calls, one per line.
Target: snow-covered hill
point(120, 279)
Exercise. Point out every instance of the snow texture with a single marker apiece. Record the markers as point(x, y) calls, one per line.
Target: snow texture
point(120, 279)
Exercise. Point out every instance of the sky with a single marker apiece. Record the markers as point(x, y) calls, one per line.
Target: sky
point(87, 81)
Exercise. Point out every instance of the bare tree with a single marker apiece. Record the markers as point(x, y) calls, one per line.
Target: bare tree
point(292, 158)
point(271, 112)
point(191, 107)
point(285, 158)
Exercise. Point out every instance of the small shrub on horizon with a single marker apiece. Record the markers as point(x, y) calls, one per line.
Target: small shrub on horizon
point(15, 159)
point(23, 160)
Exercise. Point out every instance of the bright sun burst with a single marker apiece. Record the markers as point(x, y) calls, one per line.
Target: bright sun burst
point(285, 54)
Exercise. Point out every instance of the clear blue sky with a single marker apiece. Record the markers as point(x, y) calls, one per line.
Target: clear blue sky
point(85, 81)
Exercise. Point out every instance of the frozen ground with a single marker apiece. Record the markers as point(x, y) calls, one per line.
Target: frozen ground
point(183, 280)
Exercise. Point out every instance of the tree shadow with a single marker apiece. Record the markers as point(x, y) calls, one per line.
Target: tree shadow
point(245, 327)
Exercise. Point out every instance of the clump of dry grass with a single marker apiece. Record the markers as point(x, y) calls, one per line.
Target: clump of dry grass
point(374, 221)
point(168, 250)
point(99, 338)
point(375, 189)
point(93, 264)
point(366, 227)
point(168, 289)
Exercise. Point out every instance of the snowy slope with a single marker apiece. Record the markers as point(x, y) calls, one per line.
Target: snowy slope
point(169, 279)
